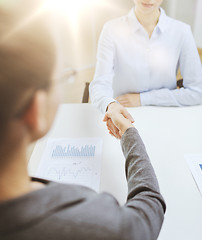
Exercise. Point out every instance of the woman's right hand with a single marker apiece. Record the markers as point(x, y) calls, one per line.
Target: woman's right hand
point(118, 119)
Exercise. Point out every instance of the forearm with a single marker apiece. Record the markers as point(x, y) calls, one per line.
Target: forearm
point(101, 92)
point(145, 207)
point(176, 98)
point(100, 95)
point(139, 171)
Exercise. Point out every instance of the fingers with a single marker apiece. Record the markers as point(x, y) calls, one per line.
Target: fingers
point(120, 133)
point(124, 101)
point(127, 115)
point(130, 100)
point(105, 118)
point(117, 119)
point(125, 104)
point(121, 98)
point(113, 130)
point(112, 134)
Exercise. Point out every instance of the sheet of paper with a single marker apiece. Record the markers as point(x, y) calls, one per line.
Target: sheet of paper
point(74, 161)
point(195, 164)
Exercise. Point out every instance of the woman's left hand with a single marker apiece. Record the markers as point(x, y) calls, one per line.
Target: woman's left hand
point(129, 100)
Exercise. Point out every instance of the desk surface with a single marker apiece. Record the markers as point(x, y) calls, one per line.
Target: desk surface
point(169, 134)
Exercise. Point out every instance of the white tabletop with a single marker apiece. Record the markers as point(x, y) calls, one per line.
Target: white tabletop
point(169, 134)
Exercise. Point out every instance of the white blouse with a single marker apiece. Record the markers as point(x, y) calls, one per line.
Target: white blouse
point(128, 61)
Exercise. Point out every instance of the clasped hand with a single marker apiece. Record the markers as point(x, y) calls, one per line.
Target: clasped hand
point(118, 120)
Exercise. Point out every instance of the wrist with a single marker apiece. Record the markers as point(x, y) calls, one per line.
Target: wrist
point(111, 105)
point(125, 128)
point(139, 100)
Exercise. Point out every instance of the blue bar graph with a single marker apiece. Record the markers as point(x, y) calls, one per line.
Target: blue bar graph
point(86, 151)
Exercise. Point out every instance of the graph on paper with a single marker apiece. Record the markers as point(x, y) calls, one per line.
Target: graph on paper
point(74, 161)
point(62, 152)
point(64, 171)
point(195, 164)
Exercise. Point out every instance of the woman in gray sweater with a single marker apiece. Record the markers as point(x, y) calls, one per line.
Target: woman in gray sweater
point(37, 209)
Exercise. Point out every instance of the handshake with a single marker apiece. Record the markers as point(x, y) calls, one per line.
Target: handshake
point(117, 119)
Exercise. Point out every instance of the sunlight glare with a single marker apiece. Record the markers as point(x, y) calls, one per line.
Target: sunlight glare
point(71, 8)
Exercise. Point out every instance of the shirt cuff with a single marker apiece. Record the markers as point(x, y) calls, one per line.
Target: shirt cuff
point(105, 104)
point(145, 98)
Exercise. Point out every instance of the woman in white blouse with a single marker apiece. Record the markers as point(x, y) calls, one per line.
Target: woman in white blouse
point(138, 59)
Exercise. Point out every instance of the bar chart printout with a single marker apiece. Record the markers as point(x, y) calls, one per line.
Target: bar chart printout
point(195, 164)
point(74, 161)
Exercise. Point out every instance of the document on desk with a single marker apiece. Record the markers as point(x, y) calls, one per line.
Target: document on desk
point(75, 161)
point(195, 164)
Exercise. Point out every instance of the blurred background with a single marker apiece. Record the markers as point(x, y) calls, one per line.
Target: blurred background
point(77, 25)
point(82, 22)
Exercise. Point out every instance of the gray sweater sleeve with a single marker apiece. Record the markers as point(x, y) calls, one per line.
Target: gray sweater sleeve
point(144, 211)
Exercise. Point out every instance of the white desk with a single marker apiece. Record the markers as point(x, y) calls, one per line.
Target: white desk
point(168, 134)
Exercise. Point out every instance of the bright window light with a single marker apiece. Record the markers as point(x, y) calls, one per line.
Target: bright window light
point(72, 8)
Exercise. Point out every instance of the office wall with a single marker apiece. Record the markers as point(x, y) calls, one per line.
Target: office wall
point(79, 43)
point(190, 12)
point(198, 23)
point(181, 10)
point(80, 40)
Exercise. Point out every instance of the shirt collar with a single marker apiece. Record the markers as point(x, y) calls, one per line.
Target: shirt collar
point(162, 24)
point(136, 24)
point(133, 20)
